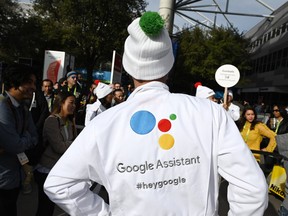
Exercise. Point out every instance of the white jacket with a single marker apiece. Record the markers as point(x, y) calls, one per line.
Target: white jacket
point(159, 154)
point(234, 111)
point(92, 110)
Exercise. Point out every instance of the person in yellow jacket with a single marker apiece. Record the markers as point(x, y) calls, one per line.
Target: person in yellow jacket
point(253, 132)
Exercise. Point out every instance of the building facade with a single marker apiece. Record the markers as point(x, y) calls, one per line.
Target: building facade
point(268, 79)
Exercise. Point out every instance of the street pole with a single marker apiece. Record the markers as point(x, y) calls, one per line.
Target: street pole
point(166, 10)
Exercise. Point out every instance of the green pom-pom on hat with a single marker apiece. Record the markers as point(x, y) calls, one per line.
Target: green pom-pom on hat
point(151, 23)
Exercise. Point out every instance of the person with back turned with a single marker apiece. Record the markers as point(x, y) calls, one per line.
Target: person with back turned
point(156, 153)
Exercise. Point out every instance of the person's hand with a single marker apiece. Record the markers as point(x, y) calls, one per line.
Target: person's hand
point(225, 106)
point(264, 149)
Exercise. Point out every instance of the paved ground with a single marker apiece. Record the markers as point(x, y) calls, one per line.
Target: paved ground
point(27, 204)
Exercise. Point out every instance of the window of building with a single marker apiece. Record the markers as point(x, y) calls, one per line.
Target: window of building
point(283, 28)
point(257, 65)
point(278, 60)
point(268, 63)
point(284, 57)
point(273, 61)
point(261, 64)
point(265, 38)
point(265, 63)
point(268, 36)
point(278, 30)
point(252, 45)
point(273, 34)
point(253, 66)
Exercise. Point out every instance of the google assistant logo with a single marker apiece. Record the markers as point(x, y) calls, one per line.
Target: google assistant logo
point(143, 122)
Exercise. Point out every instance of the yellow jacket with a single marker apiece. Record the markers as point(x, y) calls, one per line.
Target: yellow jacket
point(254, 137)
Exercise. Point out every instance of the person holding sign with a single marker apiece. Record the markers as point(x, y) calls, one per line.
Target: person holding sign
point(232, 109)
point(228, 76)
point(157, 153)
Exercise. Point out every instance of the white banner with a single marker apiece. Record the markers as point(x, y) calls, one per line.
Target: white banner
point(54, 65)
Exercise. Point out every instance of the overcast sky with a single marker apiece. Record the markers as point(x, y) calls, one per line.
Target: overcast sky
point(243, 23)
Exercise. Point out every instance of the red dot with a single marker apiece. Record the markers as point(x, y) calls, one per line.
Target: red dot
point(164, 125)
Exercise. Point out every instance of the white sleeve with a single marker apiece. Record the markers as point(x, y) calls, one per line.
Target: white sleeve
point(90, 114)
point(235, 113)
point(247, 191)
point(68, 182)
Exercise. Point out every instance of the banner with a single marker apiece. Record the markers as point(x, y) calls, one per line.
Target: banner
point(277, 181)
point(55, 64)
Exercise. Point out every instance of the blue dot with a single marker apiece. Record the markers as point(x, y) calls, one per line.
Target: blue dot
point(142, 122)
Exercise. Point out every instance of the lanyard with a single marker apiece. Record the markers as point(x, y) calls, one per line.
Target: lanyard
point(247, 134)
point(74, 92)
point(278, 124)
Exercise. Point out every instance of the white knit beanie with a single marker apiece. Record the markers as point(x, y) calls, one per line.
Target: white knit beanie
point(203, 91)
point(102, 90)
point(148, 55)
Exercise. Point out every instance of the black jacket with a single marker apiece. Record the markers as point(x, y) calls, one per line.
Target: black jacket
point(283, 127)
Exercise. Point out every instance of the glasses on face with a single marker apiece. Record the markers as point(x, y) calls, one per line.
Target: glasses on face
point(74, 77)
point(276, 110)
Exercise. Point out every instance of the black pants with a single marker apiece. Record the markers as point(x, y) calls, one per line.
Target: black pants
point(8, 202)
point(45, 205)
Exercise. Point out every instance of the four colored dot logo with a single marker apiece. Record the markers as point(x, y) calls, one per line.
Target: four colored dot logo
point(143, 122)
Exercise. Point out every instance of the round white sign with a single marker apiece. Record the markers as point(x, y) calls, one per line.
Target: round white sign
point(227, 76)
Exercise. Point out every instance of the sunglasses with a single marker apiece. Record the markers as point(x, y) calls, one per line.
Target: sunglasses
point(276, 110)
point(74, 77)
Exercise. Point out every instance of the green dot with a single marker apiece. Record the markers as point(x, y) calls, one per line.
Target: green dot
point(172, 116)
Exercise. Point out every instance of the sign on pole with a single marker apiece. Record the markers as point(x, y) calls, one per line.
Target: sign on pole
point(116, 68)
point(227, 76)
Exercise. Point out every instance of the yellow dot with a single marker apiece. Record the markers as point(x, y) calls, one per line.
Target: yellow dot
point(166, 141)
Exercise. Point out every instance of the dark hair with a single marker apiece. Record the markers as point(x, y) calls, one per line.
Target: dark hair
point(282, 110)
point(61, 80)
point(47, 80)
point(243, 120)
point(104, 102)
point(59, 101)
point(117, 90)
point(17, 74)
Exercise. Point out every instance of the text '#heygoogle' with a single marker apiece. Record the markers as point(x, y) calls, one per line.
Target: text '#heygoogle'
point(160, 184)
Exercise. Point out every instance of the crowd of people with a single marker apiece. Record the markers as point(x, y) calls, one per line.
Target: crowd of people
point(157, 146)
point(38, 123)
point(86, 95)
point(258, 133)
